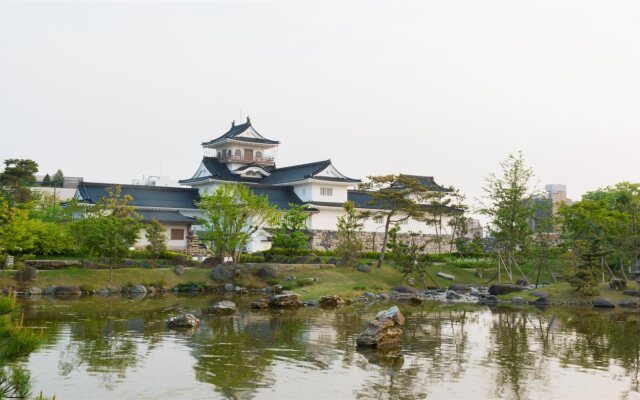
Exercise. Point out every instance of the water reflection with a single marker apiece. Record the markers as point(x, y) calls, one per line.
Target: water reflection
point(117, 347)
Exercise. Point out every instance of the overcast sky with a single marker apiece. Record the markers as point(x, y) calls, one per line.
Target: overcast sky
point(112, 91)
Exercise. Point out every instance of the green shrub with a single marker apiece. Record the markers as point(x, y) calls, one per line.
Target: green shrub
point(471, 263)
point(249, 258)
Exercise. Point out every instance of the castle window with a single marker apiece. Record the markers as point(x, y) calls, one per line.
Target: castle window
point(238, 153)
point(258, 155)
point(177, 234)
point(378, 220)
point(325, 191)
point(404, 222)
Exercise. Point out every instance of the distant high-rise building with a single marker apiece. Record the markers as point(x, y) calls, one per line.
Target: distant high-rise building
point(557, 193)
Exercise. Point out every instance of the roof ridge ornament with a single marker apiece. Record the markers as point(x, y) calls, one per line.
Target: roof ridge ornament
point(233, 123)
point(248, 120)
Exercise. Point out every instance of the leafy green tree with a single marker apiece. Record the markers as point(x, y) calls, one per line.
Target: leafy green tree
point(349, 227)
point(407, 256)
point(58, 179)
point(510, 206)
point(291, 232)
point(156, 236)
point(46, 181)
point(232, 214)
point(17, 231)
point(399, 198)
point(109, 228)
point(16, 179)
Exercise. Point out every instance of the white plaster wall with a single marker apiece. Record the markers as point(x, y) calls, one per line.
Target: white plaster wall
point(304, 191)
point(339, 192)
point(328, 219)
point(142, 241)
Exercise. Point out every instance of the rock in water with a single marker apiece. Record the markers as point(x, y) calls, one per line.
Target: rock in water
point(260, 304)
point(384, 331)
point(285, 300)
point(542, 301)
point(187, 321)
point(138, 289)
point(68, 291)
point(330, 301)
point(635, 293)
point(629, 303)
point(222, 308)
point(603, 303)
point(499, 289)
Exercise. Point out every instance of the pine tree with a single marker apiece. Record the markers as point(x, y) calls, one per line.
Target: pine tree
point(46, 181)
point(58, 179)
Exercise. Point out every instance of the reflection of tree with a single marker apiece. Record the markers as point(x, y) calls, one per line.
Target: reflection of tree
point(511, 352)
point(234, 353)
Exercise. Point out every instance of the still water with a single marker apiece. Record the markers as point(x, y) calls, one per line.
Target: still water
point(102, 348)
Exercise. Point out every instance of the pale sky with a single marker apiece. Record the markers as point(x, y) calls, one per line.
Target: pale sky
point(112, 91)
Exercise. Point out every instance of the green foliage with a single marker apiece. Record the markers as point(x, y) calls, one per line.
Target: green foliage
point(285, 252)
point(470, 262)
point(58, 179)
point(232, 214)
point(162, 255)
point(402, 198)
point(291, 231)
point(156, 236)
point(407, 254)
point(250, 258)
point(16, 179)
point(349, 226)
point(510, 206)
point(584, 277)
point(15, 383)
point(46, 181)
point(108, 228)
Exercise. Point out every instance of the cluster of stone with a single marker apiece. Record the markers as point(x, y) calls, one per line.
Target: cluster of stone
point(332, 301)
point(384, 331)
point(279, 301)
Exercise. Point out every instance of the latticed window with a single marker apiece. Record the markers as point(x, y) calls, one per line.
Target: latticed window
point(325, 191)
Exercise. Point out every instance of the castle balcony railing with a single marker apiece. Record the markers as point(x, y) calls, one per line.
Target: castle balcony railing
point(246, 159)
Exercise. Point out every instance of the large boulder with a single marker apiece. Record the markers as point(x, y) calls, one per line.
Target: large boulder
point(602, 303)
point(137, 289)
point(265, 272)
point(183, 321)
point(635, 293)
point(68, 291)
point(260, 304)
point(225, 272)
point(629, 303)
point(383, 332)
point(363, 268)
point(542, 301)
point(330, 301)
point(285, 300)
point(500, 289)
point(223, 308)
point(459, 288)
point(178, 270)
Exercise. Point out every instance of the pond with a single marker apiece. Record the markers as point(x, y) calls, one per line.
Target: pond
point(99, 348)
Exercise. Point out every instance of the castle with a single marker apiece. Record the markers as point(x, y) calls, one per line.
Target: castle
point(244, 156)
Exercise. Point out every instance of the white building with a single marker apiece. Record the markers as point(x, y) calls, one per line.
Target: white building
point(244, 156)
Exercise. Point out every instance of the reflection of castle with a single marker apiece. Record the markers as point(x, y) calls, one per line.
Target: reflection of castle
point(242, 155)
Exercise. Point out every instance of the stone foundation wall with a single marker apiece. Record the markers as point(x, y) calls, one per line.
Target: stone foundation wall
point(372, 241)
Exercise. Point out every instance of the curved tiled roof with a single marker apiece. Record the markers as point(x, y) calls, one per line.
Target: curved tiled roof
point(237, 130)
point(143, 196)
point(165, 216)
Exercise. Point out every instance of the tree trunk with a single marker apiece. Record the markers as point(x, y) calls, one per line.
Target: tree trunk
point(384, 241)
point(110, 269)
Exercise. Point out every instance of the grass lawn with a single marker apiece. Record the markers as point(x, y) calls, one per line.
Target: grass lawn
point(95, 279)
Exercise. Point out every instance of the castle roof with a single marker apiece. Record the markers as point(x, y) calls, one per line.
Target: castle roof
point(143, 196)
point(235, 132)
point(277, 176)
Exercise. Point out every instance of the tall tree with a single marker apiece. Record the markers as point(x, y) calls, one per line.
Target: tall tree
point(291, 232)
point(46, 181)
point(399, 198)
point(17, 178)
point(349, 227)
point(156, 236)
point(510, 206)
point(232, 213)
point(58, 179)
point(109, 228)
